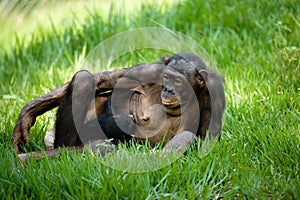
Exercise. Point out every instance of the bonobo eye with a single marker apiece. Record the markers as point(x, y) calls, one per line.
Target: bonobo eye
point(178, 82)
point(165, 78)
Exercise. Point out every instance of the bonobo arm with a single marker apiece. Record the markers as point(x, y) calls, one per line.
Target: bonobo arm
point(131, 77)
point(33, 109)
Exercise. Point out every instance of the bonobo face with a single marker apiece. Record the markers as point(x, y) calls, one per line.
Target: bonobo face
point(178, 82)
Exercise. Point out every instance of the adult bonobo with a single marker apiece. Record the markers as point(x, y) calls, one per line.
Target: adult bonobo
point(175, 102)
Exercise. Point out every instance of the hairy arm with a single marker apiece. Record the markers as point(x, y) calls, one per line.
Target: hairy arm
point(33, 109)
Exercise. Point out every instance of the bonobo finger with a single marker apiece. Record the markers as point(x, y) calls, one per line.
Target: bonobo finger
point(16, 144)
point(24, 130)
point(27, 122)
point(25, 134)
point(21, 134)
point(16, 137)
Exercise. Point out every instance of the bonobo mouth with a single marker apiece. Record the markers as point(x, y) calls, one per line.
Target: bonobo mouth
point(170, 104)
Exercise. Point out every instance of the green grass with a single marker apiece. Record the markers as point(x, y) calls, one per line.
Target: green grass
point(257, 50)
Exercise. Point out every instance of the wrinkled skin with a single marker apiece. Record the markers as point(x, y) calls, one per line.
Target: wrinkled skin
point(167, 102)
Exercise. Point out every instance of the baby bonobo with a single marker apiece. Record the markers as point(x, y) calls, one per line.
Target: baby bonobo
point(173, 102)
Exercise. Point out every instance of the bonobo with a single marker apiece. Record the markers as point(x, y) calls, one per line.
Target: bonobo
point(155, 102)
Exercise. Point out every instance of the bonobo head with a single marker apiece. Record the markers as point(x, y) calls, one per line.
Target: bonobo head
point(185, 73)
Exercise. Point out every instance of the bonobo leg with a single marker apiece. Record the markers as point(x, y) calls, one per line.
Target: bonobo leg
point(73, 108)
point(98, 147)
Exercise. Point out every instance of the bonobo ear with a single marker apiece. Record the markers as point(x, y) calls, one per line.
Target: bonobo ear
point(166, 60)
point(201, 78)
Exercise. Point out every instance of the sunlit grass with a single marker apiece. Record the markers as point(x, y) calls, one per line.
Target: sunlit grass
point(27, 19)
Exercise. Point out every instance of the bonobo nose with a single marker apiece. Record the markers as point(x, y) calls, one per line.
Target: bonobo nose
point(168, 91)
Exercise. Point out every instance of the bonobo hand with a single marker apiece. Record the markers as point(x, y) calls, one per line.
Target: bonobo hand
point(33, 109)
point(21, 131)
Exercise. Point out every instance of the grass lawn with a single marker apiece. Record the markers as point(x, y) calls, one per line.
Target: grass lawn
point(256, 45)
